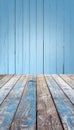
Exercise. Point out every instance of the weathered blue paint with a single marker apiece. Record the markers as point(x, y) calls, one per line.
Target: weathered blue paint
point(10, 104)
point(39, 40)
point(32, 36)
point(19, 42)
point(47, 36)
point(26, 112)
point(12, 35)
point(64, 106)
point(25, 37)
point(36, 36)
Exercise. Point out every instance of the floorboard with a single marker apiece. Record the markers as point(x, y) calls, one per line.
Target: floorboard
point(63, 105)
point(68, 80)
point(10, 104)
point(5, 90)
point(5, 79)
point(47, 117)
point(37, 102)
point(25, 117)
point(65, 87)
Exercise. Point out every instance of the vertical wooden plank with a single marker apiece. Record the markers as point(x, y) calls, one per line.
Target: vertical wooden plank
point(53, 37)
point(32, 36)
point(40, 36)
point(12, 36)
point(4, 36)
point(25, 37)
point(72, 37)
point(19, 36)
point(59, 33)
point(47, 36)
point(0, 38)
point(67, 35)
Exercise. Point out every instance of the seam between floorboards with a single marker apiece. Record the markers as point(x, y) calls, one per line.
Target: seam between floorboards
point(10, 91)
point(36, 104)
point(66, 81)
point(18, 104)
point(54, 104)
point(6, 81)
point(63, 91)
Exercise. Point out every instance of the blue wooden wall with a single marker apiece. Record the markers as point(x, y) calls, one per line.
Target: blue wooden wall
point(36, 36)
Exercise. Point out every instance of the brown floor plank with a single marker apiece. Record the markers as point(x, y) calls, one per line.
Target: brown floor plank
point(67, 80)
point(47, 117)
point(5, 79)
point(71, 76)
point(65, 87)
point(10, 104)
point(63, 105)
point(25, 118)
point(1, 76)
point(4, 91)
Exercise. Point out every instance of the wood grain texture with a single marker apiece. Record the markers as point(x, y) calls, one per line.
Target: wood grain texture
point(5, 90)
point(25, 36)
point(39, 37)
point(12, 36)
point(1, 76)
point(32, 40)
point(9, 106)
point(68, 80)
point(5, 79)
point(36, 36)
point(36, 102)
point(63, 105)
point(25, 118)
point(19, 42)
point(71, 76)
point(47, 117)
point(65, 87)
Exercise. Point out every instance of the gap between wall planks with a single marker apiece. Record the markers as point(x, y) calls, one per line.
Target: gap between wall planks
point(36, 36)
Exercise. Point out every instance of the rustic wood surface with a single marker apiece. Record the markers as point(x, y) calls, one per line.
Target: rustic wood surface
point(37, 102)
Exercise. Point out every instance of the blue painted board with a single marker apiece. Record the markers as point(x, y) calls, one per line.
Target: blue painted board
point(4, 36)
point(60, 35)
point(67, 35)
point(72, 37)
point(32, 37)
point(47, 36)
point(19, 42)
point(25, 37)
point(39, 40)
point(36, 36)
point(53, 54)
point(12, 36)
point(26, 112)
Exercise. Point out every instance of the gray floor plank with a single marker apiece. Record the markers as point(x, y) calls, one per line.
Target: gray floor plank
point(65, 87)
point(63, 105)
point(10, 104)
point(4, 91)
point(5, 79)
point(68, 80)
point(47, 117)
point(25, 118)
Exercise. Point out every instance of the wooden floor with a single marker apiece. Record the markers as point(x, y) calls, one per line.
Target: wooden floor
point(36, 102)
